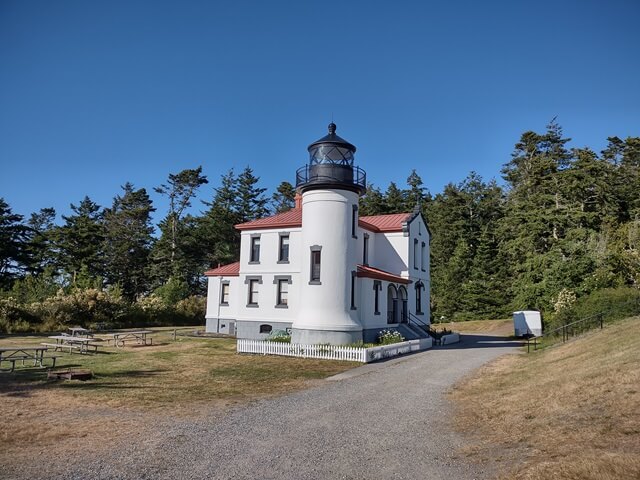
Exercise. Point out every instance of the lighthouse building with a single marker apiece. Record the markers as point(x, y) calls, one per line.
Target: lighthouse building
point(320, 271)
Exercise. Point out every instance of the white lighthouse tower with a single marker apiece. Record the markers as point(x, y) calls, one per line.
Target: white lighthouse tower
point(330, 186)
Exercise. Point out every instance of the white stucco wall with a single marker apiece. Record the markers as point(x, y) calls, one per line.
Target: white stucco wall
point(418, 230)
point(219, 318)
point(327, 223)
point(326, 305)
point(269, 269)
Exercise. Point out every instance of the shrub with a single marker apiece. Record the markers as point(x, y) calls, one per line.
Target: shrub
point(13, 317)
point(387, 337)
point(193, 307)
point(615, 303)
point(172, 292)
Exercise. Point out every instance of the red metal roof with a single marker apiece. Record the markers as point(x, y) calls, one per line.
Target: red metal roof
point(384, 223)
point(230, 270)
point(371, 272)
point(293, 219)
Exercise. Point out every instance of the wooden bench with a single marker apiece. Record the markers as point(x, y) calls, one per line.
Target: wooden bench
point(52, 357)
point(13, 364)
point(13, 361)
point(22, 358)
point(57, 346)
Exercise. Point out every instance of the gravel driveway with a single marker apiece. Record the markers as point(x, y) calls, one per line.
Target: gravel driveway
point(387, 420)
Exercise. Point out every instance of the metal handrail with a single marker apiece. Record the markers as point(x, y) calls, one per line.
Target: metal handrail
point(565, 330)
point(424, 326)
point(304, 175)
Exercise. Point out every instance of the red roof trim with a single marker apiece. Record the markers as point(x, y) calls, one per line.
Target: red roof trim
point(293, 219)
point(288, 219)
point(377, 274)
point(230, 270)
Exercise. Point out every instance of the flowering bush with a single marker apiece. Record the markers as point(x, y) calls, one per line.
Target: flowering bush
point(387, 337)
point(280, 336)
point(564, 301)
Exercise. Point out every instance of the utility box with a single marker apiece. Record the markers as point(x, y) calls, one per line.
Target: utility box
point(527, 323)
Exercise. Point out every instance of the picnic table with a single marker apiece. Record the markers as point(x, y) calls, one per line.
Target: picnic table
point(80, 332)
point(72, 343)
point(13, 354)
point(140, 337)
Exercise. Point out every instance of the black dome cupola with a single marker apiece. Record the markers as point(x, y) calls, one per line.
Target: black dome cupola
point(331, 165)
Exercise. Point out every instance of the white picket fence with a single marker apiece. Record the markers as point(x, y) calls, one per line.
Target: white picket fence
point(333, 352)
point(327, 352)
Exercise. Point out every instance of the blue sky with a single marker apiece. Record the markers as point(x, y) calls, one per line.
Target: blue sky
point(95, 94)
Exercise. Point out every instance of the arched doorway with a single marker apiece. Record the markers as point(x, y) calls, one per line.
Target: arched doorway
point(404, 309)
point(392, 304)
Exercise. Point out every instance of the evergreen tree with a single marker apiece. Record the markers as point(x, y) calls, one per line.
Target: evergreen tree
point(464, 248)
point(13, 237)
point(79, 241)
point(40, 248)
point(417, 194)
point(217, 230)
point(180, 190)
point(395, 199)
point(372, 202)
point(128, 241)
point(252, 204)
point(284, 197)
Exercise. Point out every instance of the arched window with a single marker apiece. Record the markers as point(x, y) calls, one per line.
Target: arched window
point(392, 304)
point(404, 307)
point(265, 328)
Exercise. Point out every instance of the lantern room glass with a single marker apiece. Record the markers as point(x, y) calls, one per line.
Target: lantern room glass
point(327, 153)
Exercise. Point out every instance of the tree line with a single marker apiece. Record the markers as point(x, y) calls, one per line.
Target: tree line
point(565, 224)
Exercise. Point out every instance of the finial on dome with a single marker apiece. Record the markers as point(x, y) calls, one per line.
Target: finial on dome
point(332, 128)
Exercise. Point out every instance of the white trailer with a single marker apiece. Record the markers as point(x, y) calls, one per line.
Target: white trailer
point(527, 322)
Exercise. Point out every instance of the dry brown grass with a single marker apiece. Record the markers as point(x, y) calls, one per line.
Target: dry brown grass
point(570, 412)
point(135, 387)
point(501, 328)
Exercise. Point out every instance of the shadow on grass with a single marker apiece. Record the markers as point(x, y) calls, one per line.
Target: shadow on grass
point(23, 383)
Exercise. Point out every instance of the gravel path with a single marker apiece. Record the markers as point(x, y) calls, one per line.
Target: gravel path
point(387, 420)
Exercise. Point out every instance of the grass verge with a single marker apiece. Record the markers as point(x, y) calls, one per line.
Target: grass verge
point(568, 412)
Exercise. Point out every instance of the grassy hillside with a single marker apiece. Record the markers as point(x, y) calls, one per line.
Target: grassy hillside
point(502, 328)
point(569, 412)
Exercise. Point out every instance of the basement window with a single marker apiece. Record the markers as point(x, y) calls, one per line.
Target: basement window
point(265, 328)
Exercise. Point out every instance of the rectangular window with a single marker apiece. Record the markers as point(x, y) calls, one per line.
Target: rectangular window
point(253, 292)
point(419, 288)
point(283, 255)
point(423, 256)
point(415, 253)
point(315, 266)
point(254, 256)
point(365, 250)
point(354, 221)
point(283, 293)
point(224, 295)
point(377, 286)
point(353, 290)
